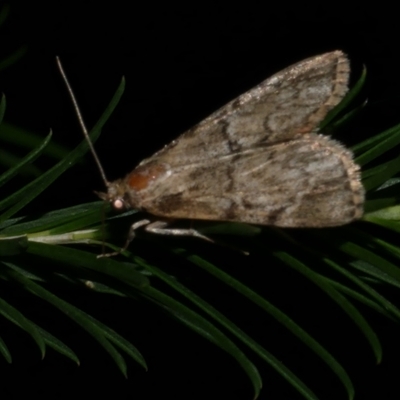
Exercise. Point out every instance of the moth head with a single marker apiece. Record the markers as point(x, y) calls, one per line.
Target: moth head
point(116, 195)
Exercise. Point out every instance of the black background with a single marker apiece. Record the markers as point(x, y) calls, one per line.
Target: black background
point(181, 63)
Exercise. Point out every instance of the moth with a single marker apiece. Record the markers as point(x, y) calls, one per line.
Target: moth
point(259, 160)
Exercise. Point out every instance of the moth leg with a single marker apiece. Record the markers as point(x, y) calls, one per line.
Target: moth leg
point(160, 228)
point(131, 236)
point(157, 227)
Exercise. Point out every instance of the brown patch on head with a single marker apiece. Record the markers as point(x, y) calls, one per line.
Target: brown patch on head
point(143, 176)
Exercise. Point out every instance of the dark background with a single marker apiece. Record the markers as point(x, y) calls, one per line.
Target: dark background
point(180, 64)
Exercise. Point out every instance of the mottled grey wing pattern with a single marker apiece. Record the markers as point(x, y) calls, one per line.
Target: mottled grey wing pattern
point(292, 102)
point(266, 186)
point(258, 159)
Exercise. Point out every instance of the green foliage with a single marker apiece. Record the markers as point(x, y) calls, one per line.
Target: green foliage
point(357, 256)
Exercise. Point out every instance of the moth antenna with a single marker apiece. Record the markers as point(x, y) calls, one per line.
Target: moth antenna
point(80, 120)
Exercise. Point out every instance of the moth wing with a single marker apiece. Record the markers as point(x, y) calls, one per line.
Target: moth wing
point(286, 105)
point(306, 182)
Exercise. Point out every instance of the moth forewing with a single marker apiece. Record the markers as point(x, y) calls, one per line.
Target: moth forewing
point(259, 159)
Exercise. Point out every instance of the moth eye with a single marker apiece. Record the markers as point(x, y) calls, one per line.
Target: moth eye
point(118, 204)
